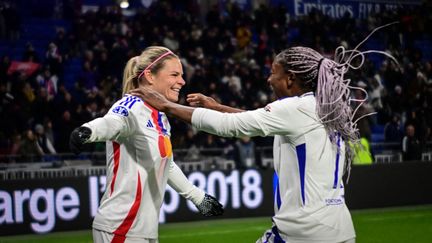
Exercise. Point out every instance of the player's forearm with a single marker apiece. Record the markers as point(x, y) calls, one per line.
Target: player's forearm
point(226, 109)
point(179, 111)
point(178, 181)
point(226, 125)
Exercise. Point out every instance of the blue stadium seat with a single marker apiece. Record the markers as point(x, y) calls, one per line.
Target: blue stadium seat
point(377, 138)
point(378, 129)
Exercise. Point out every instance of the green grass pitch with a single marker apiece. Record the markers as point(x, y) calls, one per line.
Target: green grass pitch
point(391, 225)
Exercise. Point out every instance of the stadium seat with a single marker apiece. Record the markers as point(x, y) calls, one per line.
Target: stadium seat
point(388, 157)
point(383, 158)
point(427, 156)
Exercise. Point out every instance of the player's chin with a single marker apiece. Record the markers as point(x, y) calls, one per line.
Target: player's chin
point(173, 98)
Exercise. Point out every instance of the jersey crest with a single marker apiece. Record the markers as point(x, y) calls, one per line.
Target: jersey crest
point(121, 111)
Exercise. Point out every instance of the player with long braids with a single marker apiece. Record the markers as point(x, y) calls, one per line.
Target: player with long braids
point(312, 123)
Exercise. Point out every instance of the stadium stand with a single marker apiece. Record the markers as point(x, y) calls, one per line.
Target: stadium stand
point(86, 51)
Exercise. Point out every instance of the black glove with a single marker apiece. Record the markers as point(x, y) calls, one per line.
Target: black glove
point(77, 139)
point(210, 206)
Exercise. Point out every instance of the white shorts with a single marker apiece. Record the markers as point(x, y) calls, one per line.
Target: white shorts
point(272, 236)
point(100, 236)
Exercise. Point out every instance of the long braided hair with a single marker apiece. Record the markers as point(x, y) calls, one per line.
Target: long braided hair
point(332, 90)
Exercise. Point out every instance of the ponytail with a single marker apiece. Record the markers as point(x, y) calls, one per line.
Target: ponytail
point(130, 78)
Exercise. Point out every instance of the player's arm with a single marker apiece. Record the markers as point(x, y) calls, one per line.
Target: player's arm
point(260, 122)
point(206, 204)
point(118, 122)
point(200, 100)
point(275, 118)
point(160, 103)
point(101, 129)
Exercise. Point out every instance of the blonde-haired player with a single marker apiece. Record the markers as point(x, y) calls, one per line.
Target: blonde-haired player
point(139, 154)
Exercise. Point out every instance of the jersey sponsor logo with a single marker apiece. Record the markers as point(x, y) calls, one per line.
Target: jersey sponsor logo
point(334, 201)
point(121, 110)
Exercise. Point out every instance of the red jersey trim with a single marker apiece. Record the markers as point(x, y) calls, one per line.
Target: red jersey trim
point(116, 148)
point(121, 231)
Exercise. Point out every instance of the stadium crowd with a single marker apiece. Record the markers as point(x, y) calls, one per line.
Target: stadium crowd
point(226, 54)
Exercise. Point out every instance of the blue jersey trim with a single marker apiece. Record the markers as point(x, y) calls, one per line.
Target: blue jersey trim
point(301, 157)
point(335, 182)
point(276, 190)
point(164, 131)
point(277, 238)
point(128, 101)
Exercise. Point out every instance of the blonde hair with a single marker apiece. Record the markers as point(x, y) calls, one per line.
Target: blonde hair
point(136, 65)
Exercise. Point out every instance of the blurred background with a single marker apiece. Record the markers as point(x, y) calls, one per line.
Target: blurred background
point(62, 62)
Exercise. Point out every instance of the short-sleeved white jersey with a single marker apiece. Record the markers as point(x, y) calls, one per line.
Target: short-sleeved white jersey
point(139, 155)
point(309, 196)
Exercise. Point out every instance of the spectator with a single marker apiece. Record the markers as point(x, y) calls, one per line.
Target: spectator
point(49, 81)
point(30, 54)
point(88, 77)
point(411, 147)
point(16, 144)
point(206, 46)
point(29, 148)
point(245, 153)
point(54, 59)
point(65, 127)
point(170, 41)
point(48, 128)
point(42, 140)
point(393, 130)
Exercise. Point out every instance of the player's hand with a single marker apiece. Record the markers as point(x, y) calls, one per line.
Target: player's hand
point(200, 100)
point(210, 206)
point(77, 139)
point(151, 97)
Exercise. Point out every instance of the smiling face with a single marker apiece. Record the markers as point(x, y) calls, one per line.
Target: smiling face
point(278, 80)
point(283, 84)
point(168, 80)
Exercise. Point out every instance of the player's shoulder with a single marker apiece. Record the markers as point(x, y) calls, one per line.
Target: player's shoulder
point(282, 104)
point(291, 104)
point(127, 105)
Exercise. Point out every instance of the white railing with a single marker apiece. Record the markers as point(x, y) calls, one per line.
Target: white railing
point(68, 165)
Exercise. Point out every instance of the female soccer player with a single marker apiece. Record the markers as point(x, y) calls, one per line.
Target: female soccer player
point(139, 154)
point(312, 121)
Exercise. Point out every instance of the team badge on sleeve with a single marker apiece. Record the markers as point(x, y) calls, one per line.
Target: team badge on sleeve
point(121, 110)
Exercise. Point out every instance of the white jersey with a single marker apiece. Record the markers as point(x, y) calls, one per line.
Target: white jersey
point(139, 161)
point(309, 197)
